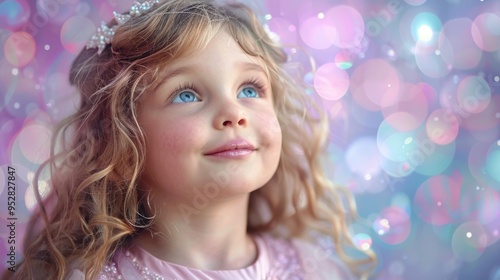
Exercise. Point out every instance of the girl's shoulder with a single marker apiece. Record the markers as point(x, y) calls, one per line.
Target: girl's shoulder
point(320, 260)
point(121, 266)
point(316, 259)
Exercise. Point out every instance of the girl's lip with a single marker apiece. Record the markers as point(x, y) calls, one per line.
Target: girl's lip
point(235, 153)
point(232, 148)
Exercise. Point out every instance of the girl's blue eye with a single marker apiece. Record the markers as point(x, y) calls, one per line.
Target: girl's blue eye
point(185, 97)
point(248, 92)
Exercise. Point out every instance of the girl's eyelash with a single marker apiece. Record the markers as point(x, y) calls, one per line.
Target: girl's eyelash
point(258, 84)
point(183, 87)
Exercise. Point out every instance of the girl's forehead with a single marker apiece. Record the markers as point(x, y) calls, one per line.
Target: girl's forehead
point(221, 47)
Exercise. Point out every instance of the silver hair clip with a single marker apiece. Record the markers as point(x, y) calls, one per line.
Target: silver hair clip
point(105, 34)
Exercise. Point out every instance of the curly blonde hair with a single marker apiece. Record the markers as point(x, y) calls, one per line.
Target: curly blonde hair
point(97, 154)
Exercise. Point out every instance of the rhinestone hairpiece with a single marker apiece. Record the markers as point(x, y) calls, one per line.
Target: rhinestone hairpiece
point(105, 34)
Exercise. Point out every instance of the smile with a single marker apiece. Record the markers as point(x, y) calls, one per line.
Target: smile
point(236, 148)
point(238, 153)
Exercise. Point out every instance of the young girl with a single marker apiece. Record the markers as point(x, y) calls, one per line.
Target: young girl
point(193, 155)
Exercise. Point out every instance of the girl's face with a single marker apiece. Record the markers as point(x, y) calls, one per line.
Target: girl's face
point(211, 129)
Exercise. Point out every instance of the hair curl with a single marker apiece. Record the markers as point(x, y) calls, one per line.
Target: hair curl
point(97, 154)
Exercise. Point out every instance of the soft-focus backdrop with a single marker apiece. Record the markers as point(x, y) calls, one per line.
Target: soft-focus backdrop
point(412, 88)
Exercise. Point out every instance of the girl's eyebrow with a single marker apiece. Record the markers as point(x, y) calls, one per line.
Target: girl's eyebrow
point(251, 66)
point(176, 72)
point(243, 66)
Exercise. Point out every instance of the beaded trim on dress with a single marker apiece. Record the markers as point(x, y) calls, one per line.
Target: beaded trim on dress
point(110, 272)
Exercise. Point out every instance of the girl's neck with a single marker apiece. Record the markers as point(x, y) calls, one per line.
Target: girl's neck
point(209, 238)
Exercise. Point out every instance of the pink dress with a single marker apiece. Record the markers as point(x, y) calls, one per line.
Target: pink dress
point(277, 259)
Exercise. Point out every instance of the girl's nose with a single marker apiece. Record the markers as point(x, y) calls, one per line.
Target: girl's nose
point(230, 114)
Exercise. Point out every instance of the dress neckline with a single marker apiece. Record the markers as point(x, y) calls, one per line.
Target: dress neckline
point(142, 258)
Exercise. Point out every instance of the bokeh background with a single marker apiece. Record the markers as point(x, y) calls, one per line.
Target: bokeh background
point(412, 88)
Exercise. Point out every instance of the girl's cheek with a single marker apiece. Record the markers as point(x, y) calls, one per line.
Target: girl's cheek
point(269, 127)
point(180, 136)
